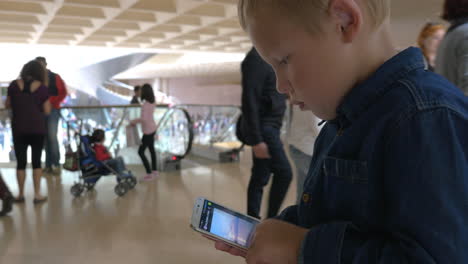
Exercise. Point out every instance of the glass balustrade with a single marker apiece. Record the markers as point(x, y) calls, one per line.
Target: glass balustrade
point(178, 128)
point(214, 125)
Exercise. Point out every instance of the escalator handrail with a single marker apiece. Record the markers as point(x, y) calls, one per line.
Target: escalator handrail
point(166, 117)
point(207, 105)
point(109, 106)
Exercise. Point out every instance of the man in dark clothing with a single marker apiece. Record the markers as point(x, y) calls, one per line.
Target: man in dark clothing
point(137, 95)
point(57, 93)
point(262, 115)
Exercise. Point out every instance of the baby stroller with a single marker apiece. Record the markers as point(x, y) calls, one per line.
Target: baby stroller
point(92, 170)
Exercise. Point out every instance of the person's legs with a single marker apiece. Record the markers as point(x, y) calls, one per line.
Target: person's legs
point(282, 173)
point(21, 146)
point(117, 165)
point(120, 165)
point(259, 178)
point(152, 152)
point(37, 145)
point(37, 177)
point(141, 152)
point(54, 118)
point(302, 163)
point(48, 147)
point(21, 177)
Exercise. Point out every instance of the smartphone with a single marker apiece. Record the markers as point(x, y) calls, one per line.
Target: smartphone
point(221, 223)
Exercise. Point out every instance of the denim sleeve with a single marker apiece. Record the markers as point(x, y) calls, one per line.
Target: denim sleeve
point(425, 188)
point(289, 215)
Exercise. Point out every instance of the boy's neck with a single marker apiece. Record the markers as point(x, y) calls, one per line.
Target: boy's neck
point(378, 48)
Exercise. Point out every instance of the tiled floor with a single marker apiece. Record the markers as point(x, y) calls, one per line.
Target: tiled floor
point(148, 225)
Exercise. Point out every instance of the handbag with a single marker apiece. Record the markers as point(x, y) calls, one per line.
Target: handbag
point(133, 140)
point(71, 160)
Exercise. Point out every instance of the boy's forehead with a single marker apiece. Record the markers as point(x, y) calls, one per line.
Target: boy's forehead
point(274, 33)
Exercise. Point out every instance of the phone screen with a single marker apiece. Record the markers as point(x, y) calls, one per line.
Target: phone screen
point(227, 224)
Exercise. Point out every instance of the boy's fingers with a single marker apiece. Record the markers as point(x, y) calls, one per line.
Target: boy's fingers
point(219, 245)
point(222, 246)
point(237, 252)
point(210, 238)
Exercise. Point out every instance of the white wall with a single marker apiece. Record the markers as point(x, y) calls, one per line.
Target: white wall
point(217, 90)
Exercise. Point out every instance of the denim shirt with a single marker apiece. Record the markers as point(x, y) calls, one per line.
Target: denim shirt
point(388, 182)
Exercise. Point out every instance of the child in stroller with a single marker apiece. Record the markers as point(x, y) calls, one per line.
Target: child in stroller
point(102, 154)
point(96, 161)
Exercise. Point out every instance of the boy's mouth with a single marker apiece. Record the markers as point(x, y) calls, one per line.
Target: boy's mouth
point(300, 104)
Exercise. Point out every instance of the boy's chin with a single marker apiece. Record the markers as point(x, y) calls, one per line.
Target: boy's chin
point(304, 107)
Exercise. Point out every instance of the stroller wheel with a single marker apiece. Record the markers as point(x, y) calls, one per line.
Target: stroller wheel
point(121, 189)
point(77, 189)
point(131, 181)
point(89, 186)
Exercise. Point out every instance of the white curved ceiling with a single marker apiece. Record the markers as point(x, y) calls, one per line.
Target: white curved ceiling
point(182, 25)
point(175, 26)
point(185, 25)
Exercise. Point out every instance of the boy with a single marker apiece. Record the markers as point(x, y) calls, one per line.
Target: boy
point(388, 182)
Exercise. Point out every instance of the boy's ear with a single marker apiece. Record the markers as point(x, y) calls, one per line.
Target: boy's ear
point(347, 15)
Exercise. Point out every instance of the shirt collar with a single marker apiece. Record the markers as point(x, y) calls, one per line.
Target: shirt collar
point(365, 94)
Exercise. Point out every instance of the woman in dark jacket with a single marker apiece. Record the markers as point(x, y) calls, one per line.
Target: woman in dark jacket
point(28, 99)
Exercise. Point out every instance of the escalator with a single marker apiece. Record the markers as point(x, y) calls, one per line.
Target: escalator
point(175, 138)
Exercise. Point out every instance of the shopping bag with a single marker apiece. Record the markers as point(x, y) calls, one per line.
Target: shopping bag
point(71, 160)
point(132, 136)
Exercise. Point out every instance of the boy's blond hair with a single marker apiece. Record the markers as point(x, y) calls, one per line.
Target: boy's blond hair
point(308, 12)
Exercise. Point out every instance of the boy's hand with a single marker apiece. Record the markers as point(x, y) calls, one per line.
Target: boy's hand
point(220, 245)
point(261, 151)
point(274, 242)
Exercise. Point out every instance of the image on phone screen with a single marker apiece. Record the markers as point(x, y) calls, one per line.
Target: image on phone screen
point(227, 224)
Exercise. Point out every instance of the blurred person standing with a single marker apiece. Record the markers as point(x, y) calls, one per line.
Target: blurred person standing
point(136, 95)
point(263, 110)
point(429, 40)
point(28, 100)
point(452, 58)
point(57, 93)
